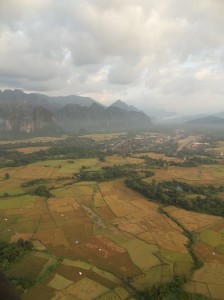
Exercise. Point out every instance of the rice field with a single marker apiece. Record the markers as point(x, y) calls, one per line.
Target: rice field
point(201, 175)
point(209, 245)
point(209, 281)
point(35, 140)
point(104, 136)
point(158, 156)
point(90, 237)
point(105, 223)
point(11, 186)
point(28, 150)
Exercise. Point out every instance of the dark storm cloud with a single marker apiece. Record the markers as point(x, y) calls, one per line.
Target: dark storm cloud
point(170, 50)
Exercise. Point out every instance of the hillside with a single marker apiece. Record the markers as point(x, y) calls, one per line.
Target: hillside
point(124, 106)
point(40, 114)
point(75, 117)
point(206, 121)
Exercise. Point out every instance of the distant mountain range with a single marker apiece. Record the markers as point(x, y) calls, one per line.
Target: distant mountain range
point(183, 119)
point(159, 114)
point(122, 105)
point(207, 121)
point(215, 121)
point(37, 113)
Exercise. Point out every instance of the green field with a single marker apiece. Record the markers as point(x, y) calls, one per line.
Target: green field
point(25, 201)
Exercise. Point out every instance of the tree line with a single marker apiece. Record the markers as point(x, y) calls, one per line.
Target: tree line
point(11, 252)
point(159, 193)
point(106, 173)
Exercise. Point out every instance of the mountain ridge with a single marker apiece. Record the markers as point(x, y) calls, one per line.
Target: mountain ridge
point(124, 106)
point(32, 113)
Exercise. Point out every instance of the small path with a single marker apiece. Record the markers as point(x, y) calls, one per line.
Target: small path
point(93, 216)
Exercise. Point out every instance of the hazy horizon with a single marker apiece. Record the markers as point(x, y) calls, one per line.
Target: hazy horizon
point(167, 54)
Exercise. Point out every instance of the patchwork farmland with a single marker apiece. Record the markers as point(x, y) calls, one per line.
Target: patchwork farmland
point(103, 240)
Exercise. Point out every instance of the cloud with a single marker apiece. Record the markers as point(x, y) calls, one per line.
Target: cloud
point(168, 51)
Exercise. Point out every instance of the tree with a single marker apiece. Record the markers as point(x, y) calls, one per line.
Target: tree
point(7, 176)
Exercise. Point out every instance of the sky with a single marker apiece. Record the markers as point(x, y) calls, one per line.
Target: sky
point(148, 53)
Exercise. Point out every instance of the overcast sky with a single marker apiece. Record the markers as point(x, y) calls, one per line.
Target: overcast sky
point(167, 53)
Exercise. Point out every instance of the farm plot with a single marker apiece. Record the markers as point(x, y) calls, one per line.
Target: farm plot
point(204, 174)
point(35, 140)
point(209, 281)
point(141, 218)
point(28, 267)
point(158, 274)
point(145, 229)
point(120, 160)
point(108, 256)
point(209, 242)
point(212, 238)
point(142, 254)
point(104, 136)
point(27, 150)
point(159, 156)
point(72, 278)
point(77, 190)
point(23, 202)
point(66, 167)
point(33, 172)
point(34, 266)
point(86, 289)
point(20, 217)
point(118, 200)
point(182, 262)
point(193, 221)
point(11, 186)
point(107, 224)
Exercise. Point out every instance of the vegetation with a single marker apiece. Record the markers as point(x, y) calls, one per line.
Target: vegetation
point(160, 193)
point(42, 191)
point(71, 148)
point(192, 189)
point(107, 173)
point(9, 253)
point(7, 176)
point(78, 222)
point(191, 241)
point(189, 161)
point(34, 182)
point(170, 291)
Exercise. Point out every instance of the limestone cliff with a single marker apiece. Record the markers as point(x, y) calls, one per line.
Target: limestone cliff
point(28, 119)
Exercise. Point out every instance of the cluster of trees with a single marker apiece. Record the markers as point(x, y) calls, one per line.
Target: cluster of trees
point(34, 182)
point(170, 291)
point(189, 162)
point(42, 191)
point(149, 173)
point(15, 159)
point(168, 148)
point(7, 176)
point(186, 163)
point(189, 153)
point(194, 189)
point(194, 161)
point(71, 148)
point(153, 162)
point(9, 253)
point(159, 193)
point(107, 173)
